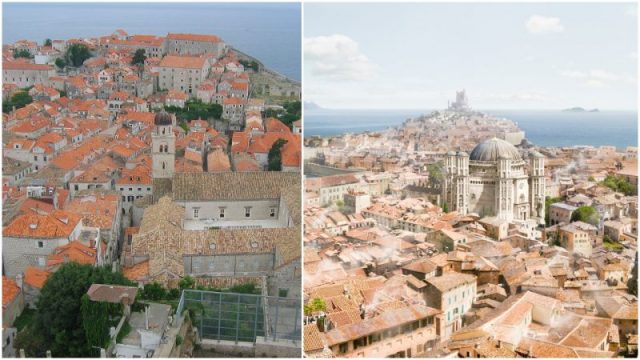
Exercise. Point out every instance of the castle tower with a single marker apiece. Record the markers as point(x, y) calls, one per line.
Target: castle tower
point(163, 147)
point(536, 185)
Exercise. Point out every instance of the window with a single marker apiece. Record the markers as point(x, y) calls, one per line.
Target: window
point(222, 213)
point(283, 293)
point(75, 187)
point(247, 211)
point(40, 244)
point(196, 212)
point(272, 212)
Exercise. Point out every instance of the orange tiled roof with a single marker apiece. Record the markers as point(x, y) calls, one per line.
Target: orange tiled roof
point(58, 224)
point(175, 94)
point(187, 62)
point(193, 37)
point(35, 277)
point(137, 272)
point(275, 125)
point(139, 175)
point(18, 65)
point(239, 86)
point(98, 210)
point(74, 251)
point(10, 290)
point(233, 101)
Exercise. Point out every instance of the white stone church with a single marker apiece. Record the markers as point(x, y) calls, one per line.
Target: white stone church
point(494, 180)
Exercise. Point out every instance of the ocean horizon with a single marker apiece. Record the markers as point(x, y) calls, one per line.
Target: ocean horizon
point(542, 127)
point(268, 31)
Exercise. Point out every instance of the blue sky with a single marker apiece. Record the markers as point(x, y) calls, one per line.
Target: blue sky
point(507, 56)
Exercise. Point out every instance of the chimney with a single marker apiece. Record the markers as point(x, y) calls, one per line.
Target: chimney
point(146, 318)
point(19, 280)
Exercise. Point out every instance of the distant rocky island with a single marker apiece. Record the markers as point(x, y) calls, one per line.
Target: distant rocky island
point(579, 109)
point(308, 105)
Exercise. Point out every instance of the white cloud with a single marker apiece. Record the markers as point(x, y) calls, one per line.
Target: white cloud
point(538, 24)
point(574, 74)
point(596, 77)
point(520, 97)
point(337, 57)
point(632, 11)
point(594, 83)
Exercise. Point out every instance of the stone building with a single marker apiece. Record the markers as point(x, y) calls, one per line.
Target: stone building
point(25, 75)
point(453, 293)
point(217, 227)
point(30, 238)
point(194, 44)
point(493, 181)
point(183, 73)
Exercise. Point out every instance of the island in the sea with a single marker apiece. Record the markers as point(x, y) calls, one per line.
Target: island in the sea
point(580, 109)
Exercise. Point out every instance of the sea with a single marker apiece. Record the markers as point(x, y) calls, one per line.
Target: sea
point(541, 127)
point(270, 32)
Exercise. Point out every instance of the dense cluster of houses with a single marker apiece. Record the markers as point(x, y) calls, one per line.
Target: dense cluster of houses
point(391, 272)
point(77, 158)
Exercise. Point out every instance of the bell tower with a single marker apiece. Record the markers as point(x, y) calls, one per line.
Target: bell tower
point(537, 185)
point(163, 146)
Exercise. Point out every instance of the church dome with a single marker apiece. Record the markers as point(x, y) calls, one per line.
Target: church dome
point(162, 118)
point(494, 149)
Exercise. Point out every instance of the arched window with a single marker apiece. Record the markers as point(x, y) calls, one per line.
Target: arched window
point(163, 131)
point(163, 165)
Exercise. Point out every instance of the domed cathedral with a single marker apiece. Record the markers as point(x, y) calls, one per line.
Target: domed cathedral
point(494, 180)
point(163, 151)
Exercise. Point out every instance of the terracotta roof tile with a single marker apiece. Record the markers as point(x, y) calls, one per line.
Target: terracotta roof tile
point(10, 290)
point(35, 277)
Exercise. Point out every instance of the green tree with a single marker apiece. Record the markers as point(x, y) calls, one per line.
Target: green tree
point(435, 171)
point(96, 320)
point(139, 57)
point(247, 288)
point(195, 109)
point(60, 63)
point(291, 112)
point(47, 42)
point(186, 282)
point(632, 283)
point(58, 322)
point(445, 207)
point(76, 54)
point(22, 53)
point(586, 214)
point(315, 305)
point(154, 291)
point(275, 155)
point(18, 100)
point(250, 65)
point(620, 184)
